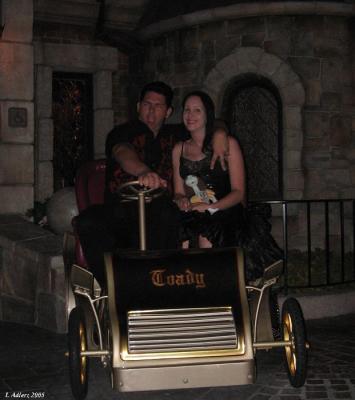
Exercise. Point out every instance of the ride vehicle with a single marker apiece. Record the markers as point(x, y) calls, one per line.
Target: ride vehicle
point(177, 319)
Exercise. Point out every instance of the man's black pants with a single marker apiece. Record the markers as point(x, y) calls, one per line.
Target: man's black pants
point(104, 228)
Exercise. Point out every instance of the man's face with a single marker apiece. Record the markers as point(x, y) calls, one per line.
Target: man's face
point(153, 110)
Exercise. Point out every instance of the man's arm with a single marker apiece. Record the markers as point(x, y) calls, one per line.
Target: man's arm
point(128, 159)
point(220, 144)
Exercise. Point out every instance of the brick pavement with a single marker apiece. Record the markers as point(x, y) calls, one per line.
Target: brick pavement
point(32, 361)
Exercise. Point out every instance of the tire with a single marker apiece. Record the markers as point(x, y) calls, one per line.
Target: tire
point(295, 355)
point(78, 365)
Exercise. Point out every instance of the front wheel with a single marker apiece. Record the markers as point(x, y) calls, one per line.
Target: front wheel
point(293, 330)
point(78, 364)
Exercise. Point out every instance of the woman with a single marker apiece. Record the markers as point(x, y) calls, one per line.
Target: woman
point(211, 200)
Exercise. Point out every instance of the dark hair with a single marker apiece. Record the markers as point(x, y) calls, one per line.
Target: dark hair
point(158, 87)
point(210, 115)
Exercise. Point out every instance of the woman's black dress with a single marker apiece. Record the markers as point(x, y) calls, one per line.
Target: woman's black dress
point(236, 226)
point(219, 227)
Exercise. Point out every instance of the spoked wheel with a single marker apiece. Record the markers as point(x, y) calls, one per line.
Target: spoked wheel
point(78, 364)
point(275, 316)
point(293, 329)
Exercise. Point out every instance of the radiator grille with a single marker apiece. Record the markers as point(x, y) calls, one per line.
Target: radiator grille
point(160, 331)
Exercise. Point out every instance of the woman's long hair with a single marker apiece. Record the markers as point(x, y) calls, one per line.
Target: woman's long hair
point(210, 115)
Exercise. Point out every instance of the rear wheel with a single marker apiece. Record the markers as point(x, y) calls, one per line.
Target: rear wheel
point(78, 364)
point(293, 329)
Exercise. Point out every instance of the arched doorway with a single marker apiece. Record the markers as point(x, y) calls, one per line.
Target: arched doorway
point(252, 106)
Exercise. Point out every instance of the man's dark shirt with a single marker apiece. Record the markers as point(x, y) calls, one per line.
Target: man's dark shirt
point(156, 152)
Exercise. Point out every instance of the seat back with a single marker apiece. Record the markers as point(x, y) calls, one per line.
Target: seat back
point(89, 190)
point(90, 184)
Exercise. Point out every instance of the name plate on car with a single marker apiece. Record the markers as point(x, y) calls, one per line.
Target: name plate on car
point(176, 278)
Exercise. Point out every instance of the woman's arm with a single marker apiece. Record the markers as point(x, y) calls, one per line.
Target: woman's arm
point(237, 180)
point(179, 190)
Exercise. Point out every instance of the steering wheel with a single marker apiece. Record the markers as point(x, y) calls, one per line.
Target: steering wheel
point(133, 190)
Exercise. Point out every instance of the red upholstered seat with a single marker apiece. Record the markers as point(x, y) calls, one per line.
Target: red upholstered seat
point(90, 184)
point(89, 190)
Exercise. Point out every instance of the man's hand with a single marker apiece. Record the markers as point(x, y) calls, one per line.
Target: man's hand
point(152, 180)
point(220, 145)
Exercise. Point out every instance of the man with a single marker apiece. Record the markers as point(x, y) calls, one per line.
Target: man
point(140, 149)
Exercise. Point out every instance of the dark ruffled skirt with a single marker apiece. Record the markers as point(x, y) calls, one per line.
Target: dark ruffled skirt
point(248, 228)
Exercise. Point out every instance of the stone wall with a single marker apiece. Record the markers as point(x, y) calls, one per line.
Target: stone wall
point(310, 61)
point(16, 107)
point(73, 49)
point(32, 276)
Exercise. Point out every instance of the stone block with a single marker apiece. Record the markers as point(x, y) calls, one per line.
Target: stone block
point(255, 40)
point(248, 60)
point(316, 124)
point(313, 92)
point(16, 198)
point(279, 28)
point(214, 81)
point(229, 66)
point(44, 91)
point(293, 159)
point(303, 43)
point(16, 71)
point(45, 139)
point(316, 159)
point(225, 47)
point(279, 47)
point(285, 77)
point(20, 231)
point(317, 143)
point(328, 48)
point(212, 31)
point(44, 184)
point(17, 310)
point(102, 90)
point(331, 74)
point(292, 118)
point(331, 101)
point(269, 64)
point(293, 94)
point(11, 170)
point(45, 246)
point(103, 123)
point(245, 26)
point(51, 313)
point(306, 67)
point(347, 193)
point(294, 179)
point(73, 56)
point(338, 178)
point(18, 20)
point(292, 194)
point(8, 219)
point(293, 139)
point(20, 278)
point(340, 131)
point(20, 133)
point(58, 284)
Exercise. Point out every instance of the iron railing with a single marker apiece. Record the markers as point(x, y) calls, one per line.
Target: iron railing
point(327, 257)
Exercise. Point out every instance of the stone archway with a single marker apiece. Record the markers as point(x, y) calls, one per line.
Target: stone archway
point(256, 61)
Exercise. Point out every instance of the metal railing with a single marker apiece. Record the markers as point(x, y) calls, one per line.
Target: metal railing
point(327, 257)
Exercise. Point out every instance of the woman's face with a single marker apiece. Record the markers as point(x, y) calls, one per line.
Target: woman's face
point(194, 114)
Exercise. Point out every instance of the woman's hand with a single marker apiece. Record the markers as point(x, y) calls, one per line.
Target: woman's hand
point(200, 207)
point(183, 203)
